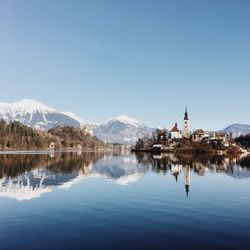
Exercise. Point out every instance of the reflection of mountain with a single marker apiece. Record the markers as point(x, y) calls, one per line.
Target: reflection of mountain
point(35, 175)
point(120, 169)
point(38, 174)
point(24, 177)
point(239, 172)
point(33, 184)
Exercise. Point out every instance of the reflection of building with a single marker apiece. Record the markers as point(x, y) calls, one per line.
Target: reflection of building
point(199, 168)
point(186, 178)
point(176, 171)
point(52, 146)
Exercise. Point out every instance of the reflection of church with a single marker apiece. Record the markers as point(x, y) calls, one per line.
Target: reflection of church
point(176, 169)
point(186, 178)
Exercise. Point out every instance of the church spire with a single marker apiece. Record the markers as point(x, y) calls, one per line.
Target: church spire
point(186, 114)
point(186, 133)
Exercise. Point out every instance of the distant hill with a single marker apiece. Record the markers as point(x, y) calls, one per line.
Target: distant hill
point(121, 129)
point(237, 129)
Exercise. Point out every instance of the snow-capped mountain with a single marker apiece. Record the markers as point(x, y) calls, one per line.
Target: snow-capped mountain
point(237, 129)
point(126, 120)
point(35, 114)
point(121, 129)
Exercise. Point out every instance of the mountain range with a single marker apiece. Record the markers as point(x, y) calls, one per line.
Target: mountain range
point(120, 129)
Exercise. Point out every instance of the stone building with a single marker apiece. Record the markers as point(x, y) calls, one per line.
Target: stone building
point(86, 128)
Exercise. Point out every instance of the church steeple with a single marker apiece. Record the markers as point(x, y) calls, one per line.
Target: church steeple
point(186, 115)
point(186, 133)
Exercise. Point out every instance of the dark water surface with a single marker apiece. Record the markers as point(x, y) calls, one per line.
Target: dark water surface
point(69, 201)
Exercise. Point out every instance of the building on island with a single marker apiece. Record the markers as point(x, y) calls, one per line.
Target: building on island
point(199, 135)
point(186, 130)
point(175, 132)
point(221, 136)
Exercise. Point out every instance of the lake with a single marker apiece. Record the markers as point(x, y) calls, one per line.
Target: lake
point(123, 201)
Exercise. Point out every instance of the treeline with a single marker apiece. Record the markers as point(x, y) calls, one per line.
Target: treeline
point(243, 140)
point(16, 136)
point(69, 137)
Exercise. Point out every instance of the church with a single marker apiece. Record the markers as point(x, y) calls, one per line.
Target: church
point(175, 133)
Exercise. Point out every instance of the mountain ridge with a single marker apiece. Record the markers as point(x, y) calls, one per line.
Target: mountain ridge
point(121, 129)
point(237, 129)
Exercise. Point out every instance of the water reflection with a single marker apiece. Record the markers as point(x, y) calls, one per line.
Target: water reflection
point(24, 177)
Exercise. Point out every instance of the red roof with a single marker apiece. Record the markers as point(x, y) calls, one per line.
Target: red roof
point(175, 129)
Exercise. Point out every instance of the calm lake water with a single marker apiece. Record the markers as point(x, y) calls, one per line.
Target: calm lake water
point(70, 201)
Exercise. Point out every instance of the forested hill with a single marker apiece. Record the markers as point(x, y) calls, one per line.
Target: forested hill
point(16, 136)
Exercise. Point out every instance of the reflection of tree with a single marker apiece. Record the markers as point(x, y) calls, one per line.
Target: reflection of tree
point(199, 164)
point(144, 159)
point(244, 161)
point(13, 165)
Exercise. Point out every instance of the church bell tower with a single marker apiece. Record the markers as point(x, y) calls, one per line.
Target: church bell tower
point(186, 133)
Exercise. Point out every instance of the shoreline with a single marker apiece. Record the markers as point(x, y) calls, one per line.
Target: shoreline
point(4, 152)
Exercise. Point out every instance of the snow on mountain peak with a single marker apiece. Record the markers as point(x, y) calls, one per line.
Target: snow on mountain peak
point(34, 114)
point(127, 120)
point(74, 116)
point(33, 105)
point(27, 105)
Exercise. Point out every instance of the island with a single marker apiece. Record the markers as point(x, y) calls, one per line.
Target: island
point(186, 142)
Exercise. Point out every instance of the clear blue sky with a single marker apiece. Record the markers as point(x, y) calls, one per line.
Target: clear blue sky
point(145, 59)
